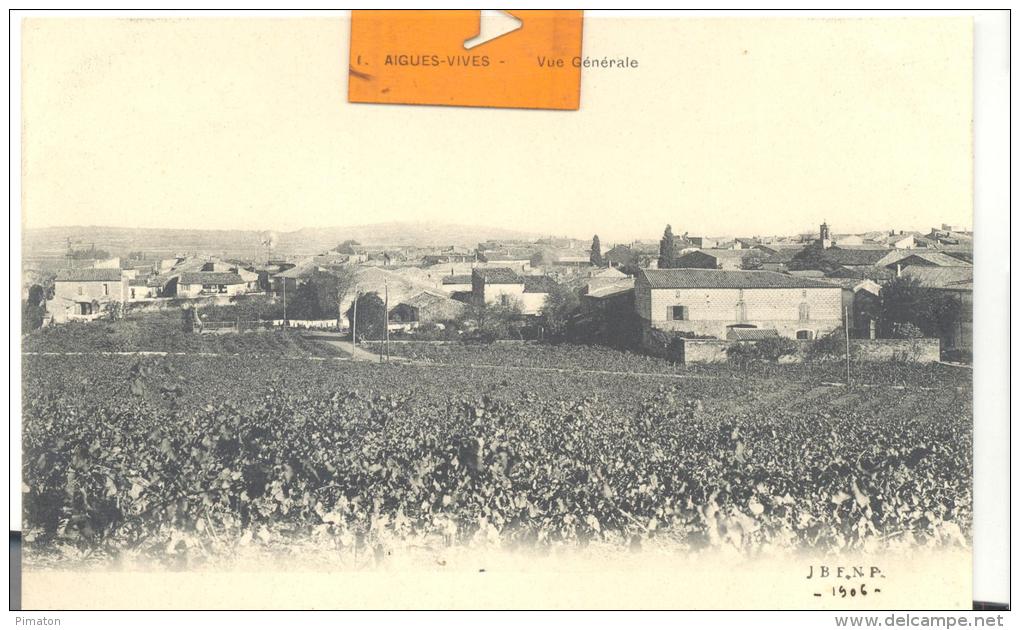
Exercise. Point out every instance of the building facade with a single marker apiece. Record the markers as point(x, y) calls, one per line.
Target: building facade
point(711, 302)
point(85, 294)
point(199, 283)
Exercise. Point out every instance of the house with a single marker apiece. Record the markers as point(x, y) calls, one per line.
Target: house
point(519, 260)
point(536, 290)
point(958, 282)
point(501, 285)
point(288, 280)
point(202, 283)
point(862, 302)
point(83, 294)
point(732, 259)
point(384, 283)
point(141, 289)
point(426, 307)
point(456, 282)
point(844, 240)
point(621, 256)
point(711, 301)
point(496, 285)
point(609, 276)
point(777, 258)
point(901, 259)
point(703, 242)
point(874, 272)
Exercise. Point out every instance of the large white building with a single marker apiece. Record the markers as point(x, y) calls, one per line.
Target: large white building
point(713, 302)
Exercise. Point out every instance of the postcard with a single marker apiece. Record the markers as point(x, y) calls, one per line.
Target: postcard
point(497, 310)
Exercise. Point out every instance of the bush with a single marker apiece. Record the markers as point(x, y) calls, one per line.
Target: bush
point(906, 330)
point(767, 350)
point(831, 346)
point(958, 355)
point(771, 348)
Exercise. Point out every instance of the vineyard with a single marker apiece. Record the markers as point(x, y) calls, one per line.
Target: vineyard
point(162, 332)
point(598, 358)
point(186, 459)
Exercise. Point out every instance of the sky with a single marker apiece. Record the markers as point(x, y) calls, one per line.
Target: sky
point(727, 127)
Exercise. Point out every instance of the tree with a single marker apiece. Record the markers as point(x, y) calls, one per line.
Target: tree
point(811, 258)
point(371, 315)
point(304, 304)
point(36, 295)
point(332, 288)
point(941, 314)
point(488, 322)
point(753, 260)
point(33, 309)
point(560, 304)
point(596, 251)
point(902, 299)
point(667, 249)
point(909, 310)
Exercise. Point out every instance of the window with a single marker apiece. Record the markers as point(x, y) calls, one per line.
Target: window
point(132, 294)
point(741, 312)
point(81, 290)
point(805, 334)
point(106, 289)
point(678, 313)
point(804, 312)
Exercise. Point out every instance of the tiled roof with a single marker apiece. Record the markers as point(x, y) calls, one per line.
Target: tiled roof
point(783, 255)
point(719, 279)
point(959, 278)
point(457, 279)
point(937, 259)
point(539, 284)
point(854, 257)
point(611, 290)
point(497, 275)
point(751, 334)
point(210, 277)
point(89, 275)
point(300, 271)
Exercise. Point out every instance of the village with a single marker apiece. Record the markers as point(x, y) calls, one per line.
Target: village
point(644, 295)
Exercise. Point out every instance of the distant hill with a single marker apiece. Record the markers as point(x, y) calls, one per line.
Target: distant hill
point(51, 242)
point(397, 233)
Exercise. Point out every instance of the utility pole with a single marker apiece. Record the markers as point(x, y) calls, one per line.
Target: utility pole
point(386, 317)
point(846, 330)
point(285, 302)
point(354, 320)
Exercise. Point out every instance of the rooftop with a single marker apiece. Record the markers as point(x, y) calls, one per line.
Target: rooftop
point(89, 275)
point(958, 278)
point(720, 279)
point(539, 284)
point(210, 277)
point(497, 275)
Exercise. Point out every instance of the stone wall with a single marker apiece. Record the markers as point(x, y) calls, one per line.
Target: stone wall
point(923, 350)
point(907, 350)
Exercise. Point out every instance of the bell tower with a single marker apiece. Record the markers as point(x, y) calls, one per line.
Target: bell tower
point(824, 238)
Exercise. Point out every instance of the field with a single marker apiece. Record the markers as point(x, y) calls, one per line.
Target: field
point(190, 459)
point(162, 332)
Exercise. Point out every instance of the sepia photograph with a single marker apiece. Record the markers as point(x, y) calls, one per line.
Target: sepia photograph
point(463, 310)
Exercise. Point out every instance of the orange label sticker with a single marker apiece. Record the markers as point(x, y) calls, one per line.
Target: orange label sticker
point(524, 59)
